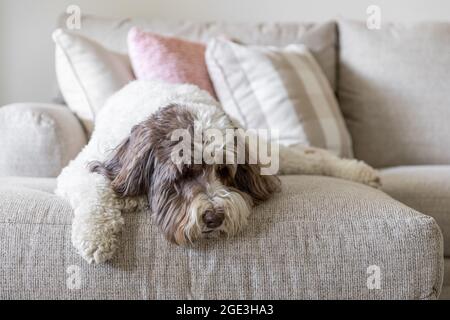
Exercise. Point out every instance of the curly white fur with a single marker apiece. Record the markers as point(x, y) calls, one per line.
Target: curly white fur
point(97, 211)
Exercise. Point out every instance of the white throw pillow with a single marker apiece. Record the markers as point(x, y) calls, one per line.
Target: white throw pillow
point(281, 89)
point(88, 74)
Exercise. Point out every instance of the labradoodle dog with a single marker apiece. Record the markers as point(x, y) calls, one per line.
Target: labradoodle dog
point(133, 162)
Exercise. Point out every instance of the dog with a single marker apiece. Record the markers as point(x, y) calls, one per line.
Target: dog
point(189, 199)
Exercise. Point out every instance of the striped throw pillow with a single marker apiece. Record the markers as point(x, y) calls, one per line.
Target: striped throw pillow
point(282, 89)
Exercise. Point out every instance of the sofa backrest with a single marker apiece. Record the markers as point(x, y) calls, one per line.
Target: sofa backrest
point(320, 38)
point(392, 83)
point(394, 91)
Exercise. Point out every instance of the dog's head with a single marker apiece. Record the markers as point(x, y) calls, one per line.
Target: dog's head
point(189, 200)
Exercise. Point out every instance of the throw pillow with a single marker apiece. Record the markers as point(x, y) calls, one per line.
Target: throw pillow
point(88, 74)
point(173, 60)
point(282, 89)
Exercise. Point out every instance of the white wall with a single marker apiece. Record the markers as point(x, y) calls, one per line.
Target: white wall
point(26, 50)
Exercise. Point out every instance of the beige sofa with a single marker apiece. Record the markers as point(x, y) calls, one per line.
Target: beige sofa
point(321, 238)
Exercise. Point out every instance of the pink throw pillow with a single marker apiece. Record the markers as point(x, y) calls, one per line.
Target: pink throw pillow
point(174, 60)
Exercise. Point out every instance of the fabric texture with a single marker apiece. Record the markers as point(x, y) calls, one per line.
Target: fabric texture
point(38, 139)
point(320, 38)
point(315, 240)
point(424, 188)
point(169, 59)
point(278, 89)
point(393, 92)
point(88, 74)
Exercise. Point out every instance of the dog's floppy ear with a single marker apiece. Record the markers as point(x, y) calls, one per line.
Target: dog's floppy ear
point(248, 179)
point(131, 165)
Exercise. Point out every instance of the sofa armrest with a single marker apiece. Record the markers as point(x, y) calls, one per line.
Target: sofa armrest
point(38, 139)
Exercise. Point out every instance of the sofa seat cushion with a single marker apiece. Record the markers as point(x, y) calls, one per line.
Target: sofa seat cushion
point(445, 293)
point(425, 189)
point(315, 240)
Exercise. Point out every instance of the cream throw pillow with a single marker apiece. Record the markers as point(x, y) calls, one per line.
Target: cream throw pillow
point(88, 74)
point(281, 89)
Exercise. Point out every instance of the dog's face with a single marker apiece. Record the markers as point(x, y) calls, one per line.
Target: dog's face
point(189, 200)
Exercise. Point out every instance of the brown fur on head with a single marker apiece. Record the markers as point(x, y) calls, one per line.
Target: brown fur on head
point(188, 201)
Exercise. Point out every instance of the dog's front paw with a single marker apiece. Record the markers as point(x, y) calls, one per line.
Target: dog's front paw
point(363, 173)
point(98, 250)
point(96, 238)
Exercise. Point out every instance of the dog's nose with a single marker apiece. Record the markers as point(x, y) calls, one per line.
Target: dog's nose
point(213, 219)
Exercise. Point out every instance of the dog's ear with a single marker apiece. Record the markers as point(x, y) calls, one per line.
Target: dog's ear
point(248, 179)
point(130, 167)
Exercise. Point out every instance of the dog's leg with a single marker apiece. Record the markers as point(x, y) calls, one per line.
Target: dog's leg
point(97, 220)
point(314, 161)
point(95, 232)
